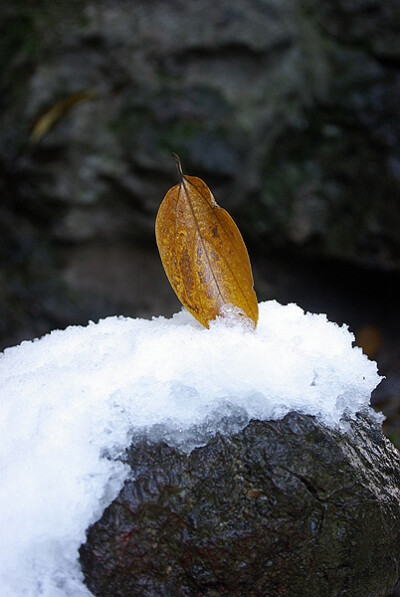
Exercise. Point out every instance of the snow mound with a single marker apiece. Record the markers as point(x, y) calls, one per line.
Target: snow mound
point(71, 402)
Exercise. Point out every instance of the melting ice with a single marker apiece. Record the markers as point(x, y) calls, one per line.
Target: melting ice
point(71, 402)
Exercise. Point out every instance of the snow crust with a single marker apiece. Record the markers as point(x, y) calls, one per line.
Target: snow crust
point(71, 402)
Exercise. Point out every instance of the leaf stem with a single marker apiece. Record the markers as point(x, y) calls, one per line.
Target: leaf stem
point(178, 166)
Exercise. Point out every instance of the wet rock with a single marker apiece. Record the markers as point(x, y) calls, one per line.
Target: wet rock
point(281, 508)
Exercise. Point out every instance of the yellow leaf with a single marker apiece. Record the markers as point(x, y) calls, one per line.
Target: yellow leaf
point(48, 119)
point(203, 252)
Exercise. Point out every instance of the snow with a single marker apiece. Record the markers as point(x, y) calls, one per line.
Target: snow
point(71, 402)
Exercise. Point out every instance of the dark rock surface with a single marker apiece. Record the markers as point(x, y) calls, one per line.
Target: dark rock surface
point(289, 108)
point(281, 508)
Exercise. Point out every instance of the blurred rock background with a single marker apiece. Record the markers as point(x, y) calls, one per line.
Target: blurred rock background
point(288, 109)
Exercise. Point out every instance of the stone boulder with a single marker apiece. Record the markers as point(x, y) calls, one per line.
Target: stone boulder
point(284, 507)
point(288, 108)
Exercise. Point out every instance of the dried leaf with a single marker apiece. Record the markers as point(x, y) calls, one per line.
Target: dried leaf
point(203, 252)
point(48, 119)
point(370, 338)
